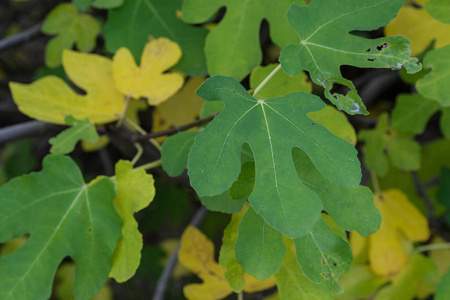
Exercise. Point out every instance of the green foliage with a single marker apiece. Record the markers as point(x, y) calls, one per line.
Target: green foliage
point(443, 289)
point(71, 27)
point(383, 141)
point(292, 282)
point(280, 84)
point(232, 48)
point(276, 157)
point(222, 203)
point(321, 53)
point(439, 9)
point(434, 84)
point(404, 286)
point(65, 141)
point(132, 24)
point(234, 273)
point(412, 112)
point(279, 197)
point(76, 219)
point(175, 150)
point(259, 247)
point(443, 194)
point(106, 4)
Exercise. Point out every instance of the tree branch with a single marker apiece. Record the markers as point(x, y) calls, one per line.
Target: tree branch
point(171, 131)
point(20, 37)
point(168, 269)
point(26, 130)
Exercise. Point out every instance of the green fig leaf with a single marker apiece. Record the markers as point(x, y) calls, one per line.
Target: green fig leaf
point(326, 43)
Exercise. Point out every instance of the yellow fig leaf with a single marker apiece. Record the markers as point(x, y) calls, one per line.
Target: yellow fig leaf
point(149, 80)
point(135, 191)
point(420, 27)
point(182, 108)
point(197, 254)
point(50, 99)
point(401, 221)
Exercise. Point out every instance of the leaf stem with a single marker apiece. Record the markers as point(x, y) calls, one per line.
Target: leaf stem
point(134, 126)
point(264, 82)
point(240, 295)
point(441, 246)
point(151, 165)
point(124, 111)
point(173, 130)
point(138, 155)
point(376, 185)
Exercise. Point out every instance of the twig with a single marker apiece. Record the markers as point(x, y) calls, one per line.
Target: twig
point(168, 269)
point(20, 37)
point(422, 193)
point(173, 130)
point(27, 129)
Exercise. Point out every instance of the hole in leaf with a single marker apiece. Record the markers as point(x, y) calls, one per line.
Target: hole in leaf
point(339, 89)
point(368, 50)
point(371, 59)
point(381, 47)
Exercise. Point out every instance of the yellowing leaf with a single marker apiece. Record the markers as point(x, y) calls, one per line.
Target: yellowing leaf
point(135, 191)
point(50, 99)
point(148, 80)
point(401, 220)
point(182, 108)
point(417, 25)
point(197, 254)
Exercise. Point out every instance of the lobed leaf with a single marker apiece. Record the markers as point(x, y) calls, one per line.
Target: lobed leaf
point(50, 98)
point(324, 256)
point(272, 128)
point(326, 43)
point(383, 141)
point(149, 80)
point(412, 112)
point(352, 209)
point(65, 141)
point(71, 27)
point(232, 47)
point(135, 191)
point(434, 84)
point(63, 216)
point(417, 25)
point(197, 254)
point(135, 21)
